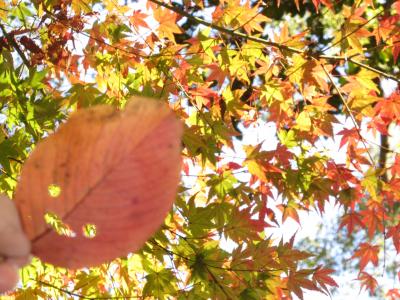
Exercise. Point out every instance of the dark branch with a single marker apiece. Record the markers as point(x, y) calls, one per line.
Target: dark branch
point(282, 47)
point(11, 40)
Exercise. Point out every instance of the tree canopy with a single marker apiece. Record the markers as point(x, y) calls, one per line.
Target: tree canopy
point(317, 72)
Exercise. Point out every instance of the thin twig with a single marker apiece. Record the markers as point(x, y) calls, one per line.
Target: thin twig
point(353, 31)
point(350, 113)
point(154, 242)
point(8, 175)
point(389, 76)
point(282, 47)
point(221, 287)
point(11, 40)
point(232, 32)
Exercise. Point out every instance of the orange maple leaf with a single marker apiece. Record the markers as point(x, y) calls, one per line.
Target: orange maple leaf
point(367, 253)
point(138, 19)
point(350, 220)
point(167, 23)
point(389, 109)
point(393, 294)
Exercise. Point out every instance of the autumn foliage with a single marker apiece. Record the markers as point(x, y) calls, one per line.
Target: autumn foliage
point(313, 74)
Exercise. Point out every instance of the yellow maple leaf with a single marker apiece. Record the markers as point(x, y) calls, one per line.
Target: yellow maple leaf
point(361, 101)
point(3, 10)
point(296, 71)
point(167, 23)
point(80, 6)
point(303, 121)
point(256, 169)
point(365, 78)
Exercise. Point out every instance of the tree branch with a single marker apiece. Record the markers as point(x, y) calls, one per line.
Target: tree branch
point(11, 40)
point(389, 76)
point(155, 243)
point(353, 31)
point(282, 47)
point(232, 32)
point(350, 113)
point(221, 287)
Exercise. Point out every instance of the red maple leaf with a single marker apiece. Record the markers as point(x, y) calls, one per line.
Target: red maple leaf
point(217, 74)
point(377, 124)
point(389, 109)
point(395, 169)
point(393, 294)
point(367, 253)
point(234, 166)
point(350, 220)
point(394, 233)
point(396, 49)
point(368, 282)
point(323, 278)
point(350, 136)
point(372, 220)
point(283, 155)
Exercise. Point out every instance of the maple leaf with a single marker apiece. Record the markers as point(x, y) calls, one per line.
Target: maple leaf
point(396, 50)
point(303, 121)
point(370, 182)
point(372, 220)
point(395, 168)
point(297, 280)
point(80, 6)
point(289, 210)
point(253, 23)
point(256, 169)
point(357, 156)
point(368, 282)
point(204, 95)
point(367, 253)
point(137, 19)
point(243, 16)
point(283, 154)
point(361, 101)
point(350, 136)
point(217, 74)
point(314, 74)
point(350, 220)
point(365, 78)
point(234, 166)
point(297, 70)
point(377, 124)
point(323, 278)
point(389, 109)
point(167, 23)
point(393, 294)
point(394, 233)
point(296, 40)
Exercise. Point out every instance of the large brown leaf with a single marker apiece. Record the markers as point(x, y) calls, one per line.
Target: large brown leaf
point(118, 170)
